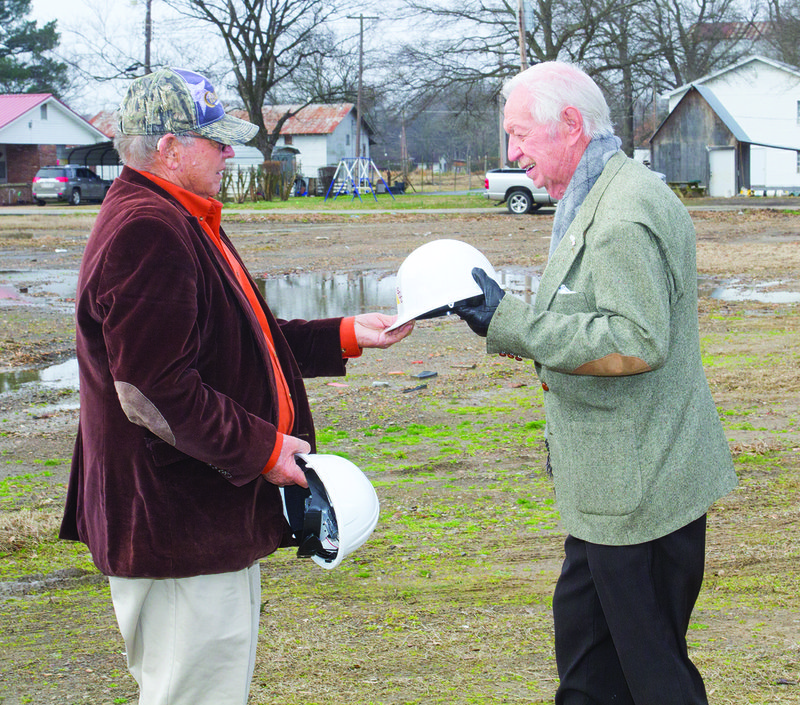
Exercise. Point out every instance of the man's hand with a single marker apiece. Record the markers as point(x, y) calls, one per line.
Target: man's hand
point(479, 315)
point(370, 329)
point(286, 471)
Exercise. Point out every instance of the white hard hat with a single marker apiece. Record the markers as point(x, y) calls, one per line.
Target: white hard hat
point(336, 514)
point(436, 276)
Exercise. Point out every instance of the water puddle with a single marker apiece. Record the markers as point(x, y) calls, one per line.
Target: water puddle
point(43, 287)
point(772, 292)
point(324, 295)
point(64, 375)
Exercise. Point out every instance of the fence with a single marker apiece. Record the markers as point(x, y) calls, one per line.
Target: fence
point(265, 182)
point(13, 194)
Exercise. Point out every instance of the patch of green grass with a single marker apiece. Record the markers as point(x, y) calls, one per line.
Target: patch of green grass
point(15, 488)
point(344, 203)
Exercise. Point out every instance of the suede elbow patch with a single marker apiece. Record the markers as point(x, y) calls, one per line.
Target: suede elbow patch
point(613, 365)
point(141, 411)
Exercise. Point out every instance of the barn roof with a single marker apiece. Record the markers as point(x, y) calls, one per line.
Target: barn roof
point(752, 59)
point(761, 138)
point(722, 113)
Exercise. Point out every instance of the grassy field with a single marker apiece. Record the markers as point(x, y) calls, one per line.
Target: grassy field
point(400, 202)
point(449, 602)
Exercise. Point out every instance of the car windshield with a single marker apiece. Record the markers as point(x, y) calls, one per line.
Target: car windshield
point(50, 172)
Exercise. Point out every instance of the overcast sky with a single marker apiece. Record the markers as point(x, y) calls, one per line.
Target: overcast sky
point(173, 42)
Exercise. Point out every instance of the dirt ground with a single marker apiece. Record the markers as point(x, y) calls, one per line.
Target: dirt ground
point(449, 602)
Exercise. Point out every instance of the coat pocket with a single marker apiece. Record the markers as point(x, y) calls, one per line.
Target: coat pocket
point(162, 452)
point(596, 466)
point(567, 302)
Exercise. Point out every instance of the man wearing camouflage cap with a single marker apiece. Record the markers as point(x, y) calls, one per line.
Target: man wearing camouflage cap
point(192, 401)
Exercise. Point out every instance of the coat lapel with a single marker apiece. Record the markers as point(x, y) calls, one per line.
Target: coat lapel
point(574, 239)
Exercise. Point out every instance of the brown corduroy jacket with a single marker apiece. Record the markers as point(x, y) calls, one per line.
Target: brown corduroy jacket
point(178, 397)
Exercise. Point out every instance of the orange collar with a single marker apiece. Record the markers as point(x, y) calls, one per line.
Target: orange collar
point(206, 210)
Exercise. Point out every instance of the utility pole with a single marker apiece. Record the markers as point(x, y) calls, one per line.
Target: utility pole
point(523, 50)
point(502, 134)
point(361, 19)
point(148, 34)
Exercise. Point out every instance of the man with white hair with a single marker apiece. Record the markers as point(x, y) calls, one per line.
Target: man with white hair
point(635, 444)
point(193, 405)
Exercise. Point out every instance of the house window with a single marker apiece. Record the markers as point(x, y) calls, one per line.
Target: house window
point(43, 111)
point(287, 139)
point(797, 154)
point(347, 140)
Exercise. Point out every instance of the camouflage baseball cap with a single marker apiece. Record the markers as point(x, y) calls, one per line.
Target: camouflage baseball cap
point(181, 102)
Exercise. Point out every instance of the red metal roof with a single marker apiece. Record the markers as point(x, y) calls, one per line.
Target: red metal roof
point(314, 119)
point(15, 105)
point(106, 121)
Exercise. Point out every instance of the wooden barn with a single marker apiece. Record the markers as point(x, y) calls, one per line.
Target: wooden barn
point(701, 145)
point(733, 130)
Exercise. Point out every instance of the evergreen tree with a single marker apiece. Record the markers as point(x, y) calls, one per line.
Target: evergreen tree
point(24, 64)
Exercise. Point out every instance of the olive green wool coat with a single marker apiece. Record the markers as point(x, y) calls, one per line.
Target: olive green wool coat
point(637, 447)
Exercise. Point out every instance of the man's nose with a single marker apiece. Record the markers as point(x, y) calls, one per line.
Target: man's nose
point(514, 151)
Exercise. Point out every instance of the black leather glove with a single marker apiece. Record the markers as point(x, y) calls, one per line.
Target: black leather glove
point(478, 311)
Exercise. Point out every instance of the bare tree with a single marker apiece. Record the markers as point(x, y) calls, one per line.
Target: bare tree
point(781, 30)
point(482, 39)
point(694, 37)
point(482, 47)
point(621, 50)
point(267, 43)
point(109, 45)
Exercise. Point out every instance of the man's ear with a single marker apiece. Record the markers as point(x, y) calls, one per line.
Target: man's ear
point(573, 120)
point(169, 151)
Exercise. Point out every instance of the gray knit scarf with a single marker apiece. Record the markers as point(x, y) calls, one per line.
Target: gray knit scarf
point(591, 165)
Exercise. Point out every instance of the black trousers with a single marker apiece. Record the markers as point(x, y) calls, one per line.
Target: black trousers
point(621, 614)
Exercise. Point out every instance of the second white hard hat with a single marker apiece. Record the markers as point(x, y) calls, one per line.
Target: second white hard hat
point(336, 514)
point(436, 276)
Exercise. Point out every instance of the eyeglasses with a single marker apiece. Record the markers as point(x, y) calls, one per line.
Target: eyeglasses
point(220, 147)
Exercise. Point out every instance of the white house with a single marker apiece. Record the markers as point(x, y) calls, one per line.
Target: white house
point(37, 129)
point(745, 123)
point(319, 135)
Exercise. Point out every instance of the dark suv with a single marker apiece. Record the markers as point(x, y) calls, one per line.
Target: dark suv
point(74, 184)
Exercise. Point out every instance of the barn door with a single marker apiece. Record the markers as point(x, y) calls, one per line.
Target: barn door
point(722, 165)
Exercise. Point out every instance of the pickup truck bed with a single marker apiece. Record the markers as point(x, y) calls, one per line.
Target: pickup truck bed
point(514, 188)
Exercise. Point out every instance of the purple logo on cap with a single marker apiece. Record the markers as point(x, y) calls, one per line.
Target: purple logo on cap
point(208, 106)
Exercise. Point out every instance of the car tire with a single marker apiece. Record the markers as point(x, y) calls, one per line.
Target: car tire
point(519, 202)
point(75, 197)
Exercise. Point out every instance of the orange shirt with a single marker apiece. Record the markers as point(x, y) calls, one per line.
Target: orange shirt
point(208, 212)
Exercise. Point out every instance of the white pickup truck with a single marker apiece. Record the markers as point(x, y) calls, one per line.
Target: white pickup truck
point(517, 190)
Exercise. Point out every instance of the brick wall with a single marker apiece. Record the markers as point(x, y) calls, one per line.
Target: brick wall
point(22, 163)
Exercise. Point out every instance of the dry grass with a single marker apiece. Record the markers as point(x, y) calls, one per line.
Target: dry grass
point(26, 528)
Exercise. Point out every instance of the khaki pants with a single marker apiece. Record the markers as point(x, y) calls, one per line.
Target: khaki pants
point(190, 641)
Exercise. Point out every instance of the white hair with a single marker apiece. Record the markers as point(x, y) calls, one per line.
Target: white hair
point(139, 151)
point(555, 85)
